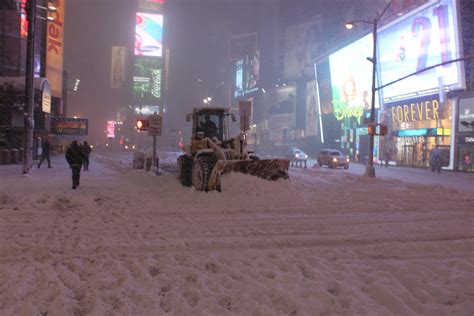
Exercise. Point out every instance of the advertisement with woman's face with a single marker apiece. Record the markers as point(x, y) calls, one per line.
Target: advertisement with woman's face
point(424, 38)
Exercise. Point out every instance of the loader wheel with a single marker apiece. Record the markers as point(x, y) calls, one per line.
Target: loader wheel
point(185, 165)
point(201, 174)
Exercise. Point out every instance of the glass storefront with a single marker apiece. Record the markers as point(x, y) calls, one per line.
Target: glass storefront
point(417, 127)
point(465, 136)
point(465, 158)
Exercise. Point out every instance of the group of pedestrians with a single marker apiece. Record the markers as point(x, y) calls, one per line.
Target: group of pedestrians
point(76, 156)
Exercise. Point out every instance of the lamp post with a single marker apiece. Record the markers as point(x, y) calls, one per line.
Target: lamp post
point(29, 124)
point(29, 87)
point(370, 170)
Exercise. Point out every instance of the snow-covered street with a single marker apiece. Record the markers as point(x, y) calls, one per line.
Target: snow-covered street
point(326, 242)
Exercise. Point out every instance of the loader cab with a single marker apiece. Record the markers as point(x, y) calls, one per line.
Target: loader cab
point(211, 122)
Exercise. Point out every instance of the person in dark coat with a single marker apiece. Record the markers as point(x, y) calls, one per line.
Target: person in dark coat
point(436, 162)
point(75, 158)
point(87, 150)
point(45, 154)
point(209, 127)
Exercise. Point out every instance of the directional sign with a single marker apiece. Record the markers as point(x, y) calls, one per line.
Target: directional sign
point(245, 110)
point(154, 125)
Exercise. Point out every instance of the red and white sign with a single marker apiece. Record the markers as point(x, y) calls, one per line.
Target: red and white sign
point(110, 129)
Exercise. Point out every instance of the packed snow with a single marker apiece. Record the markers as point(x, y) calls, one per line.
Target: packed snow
point(325, 242)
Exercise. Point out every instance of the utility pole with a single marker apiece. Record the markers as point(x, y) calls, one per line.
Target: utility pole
point(29, 88)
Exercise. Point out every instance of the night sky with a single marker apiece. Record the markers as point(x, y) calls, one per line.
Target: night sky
point(196, 31)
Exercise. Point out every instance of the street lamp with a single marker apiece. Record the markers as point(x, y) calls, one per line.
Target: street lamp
point(370, 170)
point(29, 85)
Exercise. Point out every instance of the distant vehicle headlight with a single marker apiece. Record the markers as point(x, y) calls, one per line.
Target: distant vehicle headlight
point(133, 147)
point(126, 146)
point(296, 155)
point(334, 159)
point(347, 159)
point(305, 156)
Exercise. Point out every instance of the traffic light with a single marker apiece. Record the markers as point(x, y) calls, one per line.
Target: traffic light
point(141, 125)
point(377, 129)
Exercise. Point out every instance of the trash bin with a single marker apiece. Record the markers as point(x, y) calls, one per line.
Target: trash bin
point(14, 155)
point(5, 157)
point(138, 160)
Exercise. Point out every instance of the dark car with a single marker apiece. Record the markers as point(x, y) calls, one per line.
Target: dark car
point(296, 156)
point(332, 158)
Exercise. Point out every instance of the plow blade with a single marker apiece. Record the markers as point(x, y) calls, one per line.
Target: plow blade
point(268, 169)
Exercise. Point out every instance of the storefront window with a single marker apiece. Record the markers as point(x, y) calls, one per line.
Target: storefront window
point(418, 126)
point(465, 157)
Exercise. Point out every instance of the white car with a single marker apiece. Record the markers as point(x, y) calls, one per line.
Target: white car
point(297, 156)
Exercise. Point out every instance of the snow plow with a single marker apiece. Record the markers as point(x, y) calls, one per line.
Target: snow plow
point(213, 153)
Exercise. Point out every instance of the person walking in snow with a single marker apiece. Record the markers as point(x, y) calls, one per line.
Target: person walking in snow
point(75, 158)
point(436, 162)
point(86, 150)
point(45, 154)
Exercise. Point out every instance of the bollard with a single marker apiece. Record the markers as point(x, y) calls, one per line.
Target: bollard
point(14, 156)
point(6, 157)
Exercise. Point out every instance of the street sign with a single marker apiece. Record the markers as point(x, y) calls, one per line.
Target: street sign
point(245, 110)
point(154, 125)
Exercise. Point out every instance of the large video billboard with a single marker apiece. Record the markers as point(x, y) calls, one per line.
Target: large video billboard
point(147, 79)
point(425, 37)
point(247, 75)
point(351, 79)
point(149, 34)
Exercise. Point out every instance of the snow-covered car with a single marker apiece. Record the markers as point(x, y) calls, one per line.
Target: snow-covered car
point(297, 156)
point(332, 158)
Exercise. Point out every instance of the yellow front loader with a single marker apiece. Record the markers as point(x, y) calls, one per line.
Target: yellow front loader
point(213, 153)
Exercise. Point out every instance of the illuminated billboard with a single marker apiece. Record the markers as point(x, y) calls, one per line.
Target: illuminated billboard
point(252, 72)
point(110, 129)
point(69, 126)
point(149, 34)
point(117, 66)
point(425, 37)
point(247, 75)
point(147, 109)
point(147, 78)
point(55, 50)
point(351, 79)
point(239, 78)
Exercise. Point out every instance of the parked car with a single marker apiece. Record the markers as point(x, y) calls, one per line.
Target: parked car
point(332, 158)
point(296, 156)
